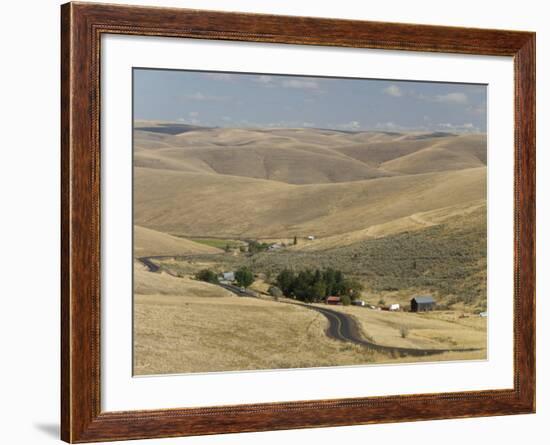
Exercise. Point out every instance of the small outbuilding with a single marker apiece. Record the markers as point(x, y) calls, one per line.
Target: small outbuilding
point(332, 300)
point(394, 307)
point(422, 303)
point(227, 276)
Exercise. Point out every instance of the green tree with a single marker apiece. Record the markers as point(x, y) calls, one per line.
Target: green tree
point(319, 290)
point(207, 275)
point(285, 281)
point(295, 240)
point(244, 277)
point(346, 300)
point(353, 288)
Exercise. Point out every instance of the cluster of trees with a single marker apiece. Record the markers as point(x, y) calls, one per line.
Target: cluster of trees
point(243, 277)
point(315, 285)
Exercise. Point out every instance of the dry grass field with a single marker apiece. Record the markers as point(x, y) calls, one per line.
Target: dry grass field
point(435, 330)
point(190, 326)
point(182, 325)
point(149, 242)
point(148, 283)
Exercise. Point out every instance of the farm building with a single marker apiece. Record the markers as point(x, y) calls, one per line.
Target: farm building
point(227, 276)
point(358, 303)
point(332, 300)
point(394, 307)
point(422, 303)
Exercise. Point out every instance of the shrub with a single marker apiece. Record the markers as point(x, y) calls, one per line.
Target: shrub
point(244, 277)
point(207, 275)
point(346, 300)
point(256, 247)
point(275, 292)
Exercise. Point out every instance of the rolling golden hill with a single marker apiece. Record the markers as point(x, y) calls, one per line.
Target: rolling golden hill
point(303, 155)
point(202, 204)
point(342, 187)
point(149, 242)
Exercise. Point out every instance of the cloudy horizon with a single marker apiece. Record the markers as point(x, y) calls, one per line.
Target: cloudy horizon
point(239, 100)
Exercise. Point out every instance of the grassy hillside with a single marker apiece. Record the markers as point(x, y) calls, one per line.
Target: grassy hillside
point(447, 259)
point(416, 221)
point(202, 205)
point(148, 283)
point(149, 242)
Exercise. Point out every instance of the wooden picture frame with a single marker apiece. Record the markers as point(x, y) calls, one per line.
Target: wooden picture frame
point(82, 26)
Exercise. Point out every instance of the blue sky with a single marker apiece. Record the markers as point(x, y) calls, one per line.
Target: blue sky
point(275, 101)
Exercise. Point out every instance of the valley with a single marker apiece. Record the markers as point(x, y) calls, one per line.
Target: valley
point(397, 214)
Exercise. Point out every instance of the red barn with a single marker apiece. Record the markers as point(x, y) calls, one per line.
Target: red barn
point(332, 300)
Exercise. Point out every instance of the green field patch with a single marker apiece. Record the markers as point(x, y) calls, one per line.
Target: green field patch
point(220, 243)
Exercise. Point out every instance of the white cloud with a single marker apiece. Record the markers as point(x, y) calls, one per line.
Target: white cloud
point(393, 90)
point(459, 128)
point(386, 125)
point(300, 84)
point(191, 121)
point(392, 126)
point(352, 125)
point(452, 98)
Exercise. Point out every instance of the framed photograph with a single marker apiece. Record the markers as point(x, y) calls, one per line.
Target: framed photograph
point(276, 222)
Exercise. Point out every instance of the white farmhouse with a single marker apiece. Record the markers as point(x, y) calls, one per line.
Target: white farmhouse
point(227, 277)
